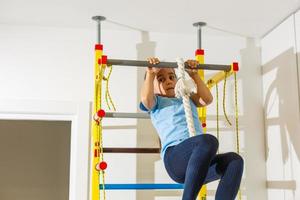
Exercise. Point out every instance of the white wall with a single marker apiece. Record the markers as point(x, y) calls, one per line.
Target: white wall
point(280, 68)
point(48, 63)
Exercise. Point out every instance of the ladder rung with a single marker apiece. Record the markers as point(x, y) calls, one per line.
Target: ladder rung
point(127, 115)
point(131, 150)
point(143, 186)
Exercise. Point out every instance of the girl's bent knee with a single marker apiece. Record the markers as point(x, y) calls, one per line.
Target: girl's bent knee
point(235, 156)
point(211, 141)
point(207, 142)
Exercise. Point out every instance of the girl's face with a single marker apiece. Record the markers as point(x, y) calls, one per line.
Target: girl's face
point(165, 82)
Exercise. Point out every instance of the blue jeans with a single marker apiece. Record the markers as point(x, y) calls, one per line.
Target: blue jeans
point(194, 162)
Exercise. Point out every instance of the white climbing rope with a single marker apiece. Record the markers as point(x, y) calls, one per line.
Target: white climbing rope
point(184, 88)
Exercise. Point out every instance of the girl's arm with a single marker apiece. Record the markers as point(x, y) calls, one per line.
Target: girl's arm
point(147, 91)
point(203, 97)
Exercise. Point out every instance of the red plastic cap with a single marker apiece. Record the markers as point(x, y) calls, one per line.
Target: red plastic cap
point(98, 47)
point(235, 66)
point(103, 165)
point(199, 52)
point(101, 113)
point(203, 125)
point(104, 60)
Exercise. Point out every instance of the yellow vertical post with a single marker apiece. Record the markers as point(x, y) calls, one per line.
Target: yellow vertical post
point(96, 125)
point(235, 69)
point(202, 114)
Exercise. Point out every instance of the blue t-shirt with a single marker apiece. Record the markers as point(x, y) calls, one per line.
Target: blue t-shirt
point(168, 118)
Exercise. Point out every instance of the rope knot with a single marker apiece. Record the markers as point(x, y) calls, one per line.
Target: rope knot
point(184, 86)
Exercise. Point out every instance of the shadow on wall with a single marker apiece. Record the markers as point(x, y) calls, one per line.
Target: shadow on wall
point(251, 121)
point(282, 102)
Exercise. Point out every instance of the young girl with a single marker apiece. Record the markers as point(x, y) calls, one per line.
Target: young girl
point(189, 160)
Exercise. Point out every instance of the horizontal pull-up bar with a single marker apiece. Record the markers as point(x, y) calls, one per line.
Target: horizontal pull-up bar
point(131, 150)
point(142, 186)
point(139, 63)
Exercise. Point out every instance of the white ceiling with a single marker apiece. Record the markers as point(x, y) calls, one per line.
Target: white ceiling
point(252, 18)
